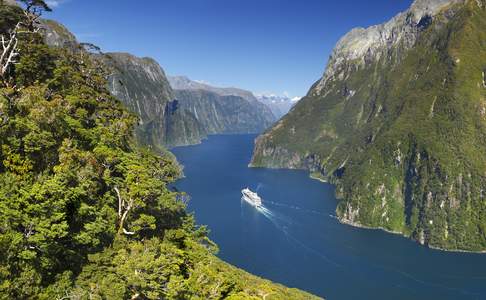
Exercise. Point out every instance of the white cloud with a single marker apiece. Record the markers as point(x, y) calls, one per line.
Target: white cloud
point(203, 82)
point(284, 95)
point(265, 94)
point(54, 3)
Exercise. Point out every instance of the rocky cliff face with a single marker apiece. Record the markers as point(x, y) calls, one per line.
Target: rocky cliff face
point(222, 110)
point(361, 46)
point(181, 117)
point(10, 2)
point(397, 122)
point(56, 35)
point(224, 114)
point(140, 83)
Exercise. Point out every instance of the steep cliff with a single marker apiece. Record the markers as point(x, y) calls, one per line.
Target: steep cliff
point(398, 123)
point(181, 117)
point(225, 114)
point(141, 84)
point(56, 35)
point(235, 110)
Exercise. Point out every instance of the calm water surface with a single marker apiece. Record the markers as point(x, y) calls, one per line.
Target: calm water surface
point(295, 239)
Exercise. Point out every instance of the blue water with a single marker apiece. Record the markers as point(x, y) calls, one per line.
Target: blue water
point(296, 240)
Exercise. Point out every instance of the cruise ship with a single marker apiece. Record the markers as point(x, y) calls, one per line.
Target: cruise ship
point(251, 197)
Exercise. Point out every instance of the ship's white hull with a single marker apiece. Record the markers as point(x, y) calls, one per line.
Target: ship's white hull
point(251, 198)
point(251, 201)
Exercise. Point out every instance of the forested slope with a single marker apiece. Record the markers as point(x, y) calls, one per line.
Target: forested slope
point(84, 212)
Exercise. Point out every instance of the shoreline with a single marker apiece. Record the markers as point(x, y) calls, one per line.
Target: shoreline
point(357, 225)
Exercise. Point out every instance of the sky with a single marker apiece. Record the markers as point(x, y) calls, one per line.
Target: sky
point(266, 46)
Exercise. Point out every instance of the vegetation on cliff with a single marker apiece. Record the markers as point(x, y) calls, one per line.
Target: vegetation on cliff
point(84, 212)
point(401, 130)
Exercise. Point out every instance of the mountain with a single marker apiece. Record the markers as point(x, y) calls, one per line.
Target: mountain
point(86, 213)
point(279, 105)
point(142, 86)
point(184, 83)
point(180, 117)
point(225, 114)
point(222, 110)
point(398, 124)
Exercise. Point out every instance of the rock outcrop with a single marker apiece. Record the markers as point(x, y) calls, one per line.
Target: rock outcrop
point(56, 35)
point(364, 45)
point(141, 84)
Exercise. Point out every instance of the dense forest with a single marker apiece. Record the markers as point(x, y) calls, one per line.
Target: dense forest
point(85, 213)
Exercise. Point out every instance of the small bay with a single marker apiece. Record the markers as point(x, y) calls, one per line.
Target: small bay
point(297, 241)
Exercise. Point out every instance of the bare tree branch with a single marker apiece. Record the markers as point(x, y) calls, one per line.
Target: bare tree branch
point(120, 201)
point(9, 52)
point(123, 211)
point(33, 11)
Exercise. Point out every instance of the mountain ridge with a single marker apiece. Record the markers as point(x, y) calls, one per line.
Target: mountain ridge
point(184, 83)
point(363, 44)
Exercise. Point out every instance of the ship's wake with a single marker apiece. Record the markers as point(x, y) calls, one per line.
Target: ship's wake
point(284, 224)
point(310, 249)
point(277, 219)
point(294, 207)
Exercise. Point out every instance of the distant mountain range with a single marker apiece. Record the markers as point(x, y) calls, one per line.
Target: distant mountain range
point(280, 105)
point(221, 110)
point(184, 83)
